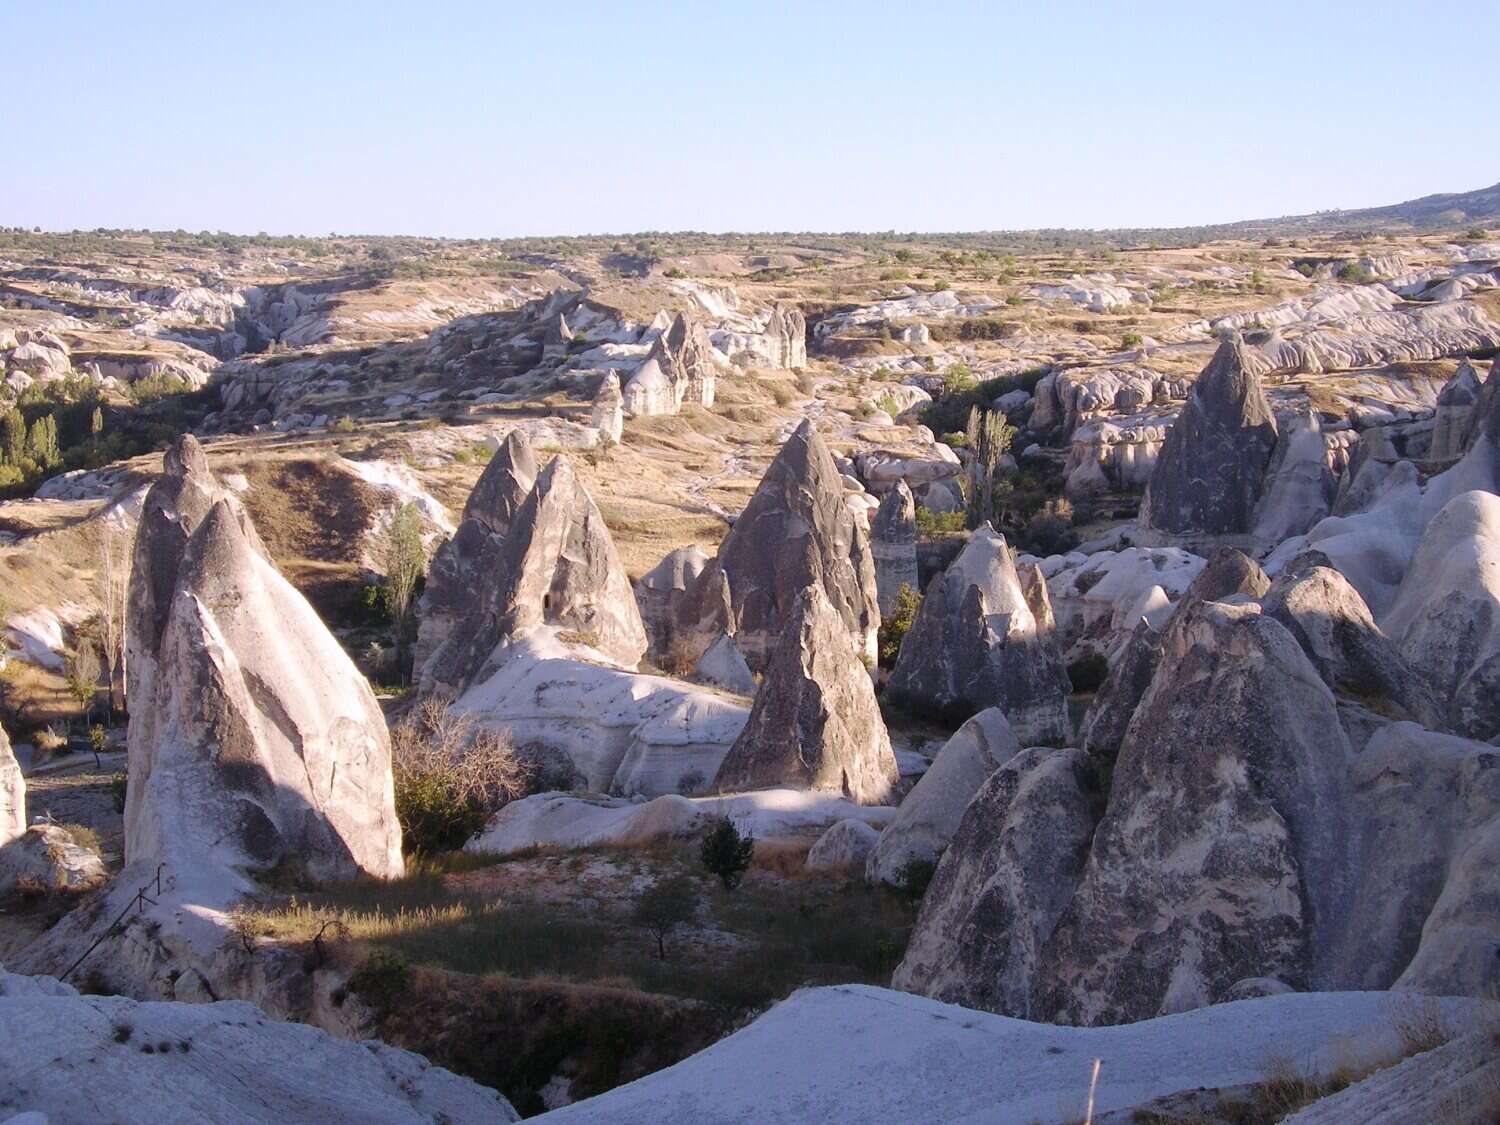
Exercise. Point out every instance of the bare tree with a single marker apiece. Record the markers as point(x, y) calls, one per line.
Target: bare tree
point(405, 562)
point(81, 669)
point(114, 580)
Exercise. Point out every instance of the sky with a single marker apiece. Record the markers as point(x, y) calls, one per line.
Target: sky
point(492, 119)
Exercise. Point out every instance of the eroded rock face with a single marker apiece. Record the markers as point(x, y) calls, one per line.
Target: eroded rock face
point(1229, 572)
point(1222, 853)
point(556, 566)
point(844, 847)
point(976, 643)
point(261, 742)
point(929, 815)
point(1334, 627)
point(228, 1061)
point(660, 592)
point(1211, 470)
point(786, 337)
point(12, 794)
point(461, 567)
point(1455, 405)
point(815, 723)
point(796, 531)
point(173, 509)
point(1446, 617)
point(1130, 674)
point(893, 544)
point(1300, 484)
point(1001, 888)
point(608, 412)
point(679, 368)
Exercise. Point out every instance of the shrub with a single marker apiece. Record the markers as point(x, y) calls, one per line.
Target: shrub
point(1355, 274)
point(933, 525)
point(450, 775)
point(1131, 340)
point(894, 626)
point(726, 853)
point(889, 405)
point(958, 379)
point(667, 904)
point(383, 980)
point(118, 788)
point(345, 425)
point(781, 393)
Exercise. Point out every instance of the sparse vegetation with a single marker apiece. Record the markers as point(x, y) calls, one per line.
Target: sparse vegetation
point(664, 906)
point(894, 625)
point(726, 853)
point(405, 562)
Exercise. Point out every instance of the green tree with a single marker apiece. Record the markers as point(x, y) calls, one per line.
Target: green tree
point(894, 625)
point(13, 437)
point(96, 422)
point(726, 853)
point(405, 563)
point(989, 436)
point(667, 904)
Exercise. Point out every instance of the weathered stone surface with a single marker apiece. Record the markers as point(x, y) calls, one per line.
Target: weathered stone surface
point(261, 742)
point(1455, 407)
point(929, 815)
point(1229, 572)
point(977, 644)
point(112, 1059)
point(1210, 473)
point(174, 507)
point(1334, 627)
point(461, 567)
point(795, 532)
point(844, 847)
point(786, 337)
point(12, 793)
point(608, 412)
point(1453, 1083)
point(1222, 852)
point(659, 593)
point(556, 566)
point(679, 368)
point(1300, 484)
point(1130, 674)
point(893, 544)
point(1002, 886)
point(47, 858)
point(1446, 617)
point(815, 722)
point(723, 666)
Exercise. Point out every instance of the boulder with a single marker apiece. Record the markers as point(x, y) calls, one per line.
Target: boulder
point(1300, 485)
point(1222, 851)
point(47, 858)
point(608, 412)
point(1446, 616)
point(112, 1059)
point(603, 728)
point(555, 566)
point(929, 815)
point(1335, 628)
point(815, 722)
point(976, 643)
point(461, 566)
point(1227, 574)
point(1002, 886)
point(893, 544)
point(261, 743)
point(723, 666)
point(796, 531)
point(659, 594)
point(1210, 473)
point(844, 847)
point(1455, 406)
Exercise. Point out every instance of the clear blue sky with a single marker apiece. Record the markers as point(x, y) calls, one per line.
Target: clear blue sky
point(498, 119)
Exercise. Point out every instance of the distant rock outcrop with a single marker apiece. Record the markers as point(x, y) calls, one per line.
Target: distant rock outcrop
point(796, 531)
point(1211, 470)
point(976, 643)
point(786, 337)
point(462, 566)
point(608, 413)
point(930, 813)
point(1446, 616)
point(679, 368)
point(815, 723)
point(893, 543)
point(555, 566)
point(1455, 406)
